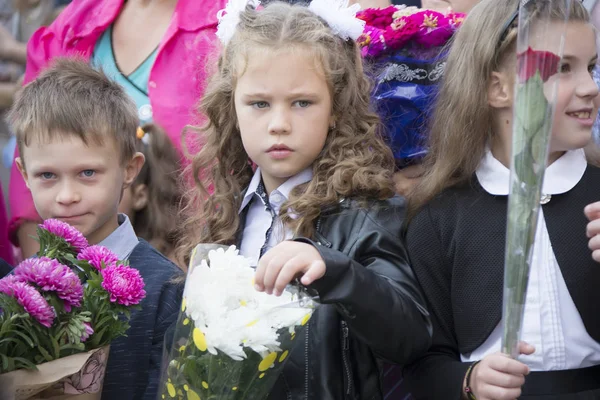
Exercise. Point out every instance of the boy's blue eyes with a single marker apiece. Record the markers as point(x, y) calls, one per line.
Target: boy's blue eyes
point(88, 173)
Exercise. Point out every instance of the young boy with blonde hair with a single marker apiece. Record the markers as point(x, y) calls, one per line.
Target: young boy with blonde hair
point(76, 132)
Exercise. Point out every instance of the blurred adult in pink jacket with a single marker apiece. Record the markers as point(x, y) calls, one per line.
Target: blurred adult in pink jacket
point(157, 49)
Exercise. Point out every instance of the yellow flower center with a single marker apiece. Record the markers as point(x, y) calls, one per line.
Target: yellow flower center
point(199, 339)
point(398, 24)
point(430, 21)
point(283, 356)
point(364, 40)
point(191, 395)
point(305, 319)
point(171, 389)
point(249, 324)
point(267, 362)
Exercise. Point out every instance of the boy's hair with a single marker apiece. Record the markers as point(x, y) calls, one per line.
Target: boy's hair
point(355, 161)
point(462, 122)
point(70, 98)
point(157, 222)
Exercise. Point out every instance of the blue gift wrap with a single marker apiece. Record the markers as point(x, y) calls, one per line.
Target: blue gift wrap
point(405, 89)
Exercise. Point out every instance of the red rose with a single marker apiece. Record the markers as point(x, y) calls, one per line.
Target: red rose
point(531, 61)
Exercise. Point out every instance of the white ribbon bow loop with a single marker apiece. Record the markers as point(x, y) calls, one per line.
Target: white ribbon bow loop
point(229, 18)
point(340, 18)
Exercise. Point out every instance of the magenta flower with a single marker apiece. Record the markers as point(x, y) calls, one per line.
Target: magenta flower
point(67, 232)
point(51, 276)
point(124, 284)
point(29, 298)
point(435, 29)
point(96, 255)
point(371, 41)
point(87, 333)
point(378, 17)
point(391, 29)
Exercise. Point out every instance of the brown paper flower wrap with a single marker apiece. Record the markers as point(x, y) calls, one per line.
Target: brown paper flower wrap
point(79, 376)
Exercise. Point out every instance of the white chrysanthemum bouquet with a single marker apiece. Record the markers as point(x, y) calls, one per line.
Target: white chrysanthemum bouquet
point(230, 341)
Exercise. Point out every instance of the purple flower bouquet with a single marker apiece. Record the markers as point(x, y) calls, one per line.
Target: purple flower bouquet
point(58, 314)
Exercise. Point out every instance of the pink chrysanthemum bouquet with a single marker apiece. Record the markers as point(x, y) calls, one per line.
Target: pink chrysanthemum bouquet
point(64, 306)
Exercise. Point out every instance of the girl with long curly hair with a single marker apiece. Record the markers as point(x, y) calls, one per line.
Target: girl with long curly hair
point(290, 97)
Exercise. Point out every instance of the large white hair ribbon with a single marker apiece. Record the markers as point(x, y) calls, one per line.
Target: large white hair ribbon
point(340, 18)
point(229, 18)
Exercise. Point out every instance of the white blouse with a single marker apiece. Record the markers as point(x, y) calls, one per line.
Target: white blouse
point(552, 323)
point(259, 219)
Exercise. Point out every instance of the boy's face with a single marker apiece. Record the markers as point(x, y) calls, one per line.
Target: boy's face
point(77, 183)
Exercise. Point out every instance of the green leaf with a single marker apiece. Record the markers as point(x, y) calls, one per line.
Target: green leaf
point(45, 353)
point(26, 338)
point(5, 363)
point(55, 348)
point(25, 363)
point(531, 110)
point(15, 341)
point(79, 347)
point(539, 146)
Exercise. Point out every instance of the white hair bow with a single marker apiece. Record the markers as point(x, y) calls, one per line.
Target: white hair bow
point(340, 18)
point(229, 18)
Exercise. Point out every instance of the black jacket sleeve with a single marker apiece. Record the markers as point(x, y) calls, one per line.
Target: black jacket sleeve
point(439, 374)
point(373, 286)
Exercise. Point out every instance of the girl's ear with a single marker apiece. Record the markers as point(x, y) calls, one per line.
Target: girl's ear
point(139, 197)
point(500, 90)
point(133, 168)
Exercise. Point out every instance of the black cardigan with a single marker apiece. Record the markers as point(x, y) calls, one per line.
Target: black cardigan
point(456, 247)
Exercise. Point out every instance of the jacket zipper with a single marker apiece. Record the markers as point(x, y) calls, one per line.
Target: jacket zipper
point(306, 361)
point(321, 240)
point(345, 349)
point(288, 393)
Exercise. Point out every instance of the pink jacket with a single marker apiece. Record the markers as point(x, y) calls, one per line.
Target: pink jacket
point(176, 79)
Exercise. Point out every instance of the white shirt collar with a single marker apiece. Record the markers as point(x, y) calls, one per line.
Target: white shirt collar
point(283, 190)
point(560, 177)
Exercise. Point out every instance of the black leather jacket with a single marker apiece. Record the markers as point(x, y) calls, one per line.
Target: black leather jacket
point(371, 307)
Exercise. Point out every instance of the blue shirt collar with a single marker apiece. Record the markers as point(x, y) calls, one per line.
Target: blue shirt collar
point(122, 240)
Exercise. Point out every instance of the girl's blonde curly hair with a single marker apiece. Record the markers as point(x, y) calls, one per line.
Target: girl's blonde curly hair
point(355, 162)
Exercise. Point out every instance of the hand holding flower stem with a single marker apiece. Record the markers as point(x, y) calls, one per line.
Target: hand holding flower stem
point(283, 263)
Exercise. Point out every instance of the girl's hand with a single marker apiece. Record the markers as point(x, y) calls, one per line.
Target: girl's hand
point(280, 265)
point(592, 212)
point(499, 377)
